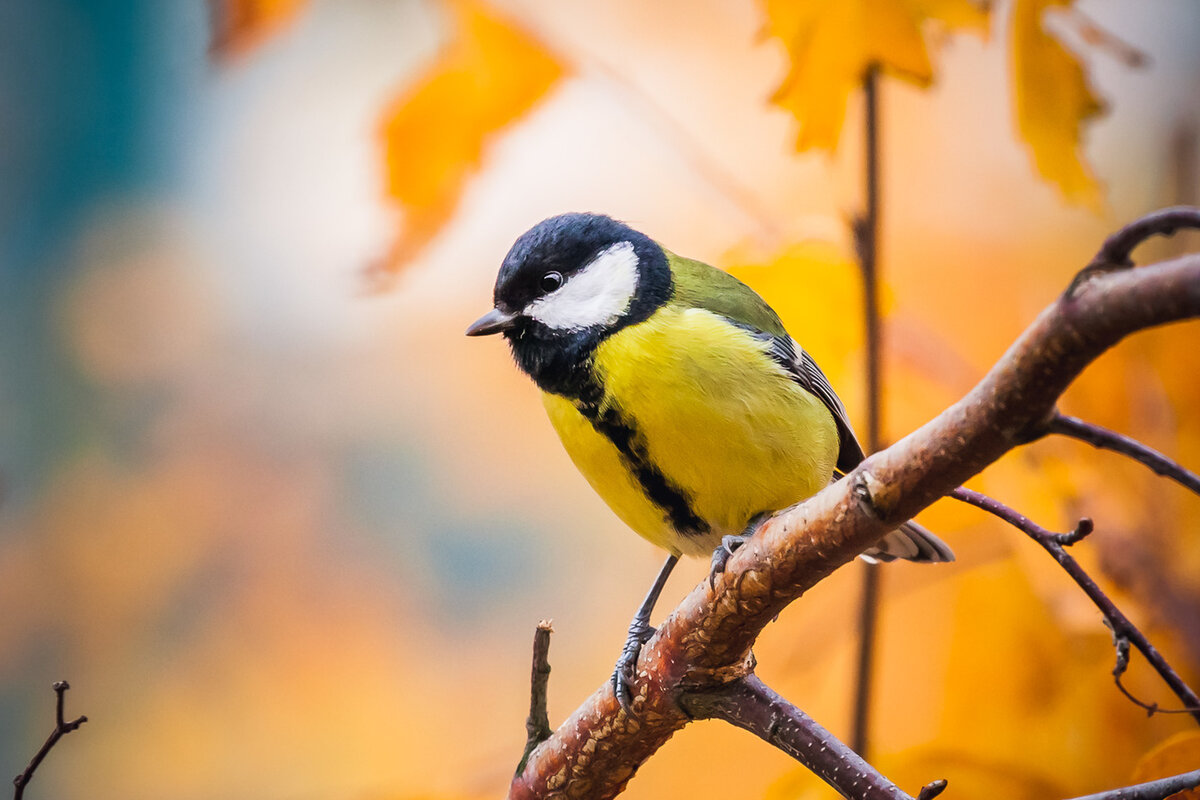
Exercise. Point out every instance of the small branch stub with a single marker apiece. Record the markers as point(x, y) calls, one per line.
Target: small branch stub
point(932, 789)
point(537, 725)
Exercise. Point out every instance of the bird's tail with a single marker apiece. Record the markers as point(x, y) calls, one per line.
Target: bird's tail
point(910, 542)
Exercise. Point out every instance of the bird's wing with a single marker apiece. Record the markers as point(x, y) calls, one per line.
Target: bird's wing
point(698, 285)
point(804, 371)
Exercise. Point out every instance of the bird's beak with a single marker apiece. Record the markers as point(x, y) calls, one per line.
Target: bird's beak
point(493, 321)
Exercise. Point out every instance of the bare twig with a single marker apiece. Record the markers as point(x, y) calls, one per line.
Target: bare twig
point(705, 642)
point(1152, 790)
point(1117, 251)
point(61, 729)
point(751, 705)
point(537, 726)
point(866, 241)
point(1098, 36)
point(1121, 643)
point(1124, 631)
point(1105, 439)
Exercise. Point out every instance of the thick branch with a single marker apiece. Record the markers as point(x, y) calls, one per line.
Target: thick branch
point(705, 642)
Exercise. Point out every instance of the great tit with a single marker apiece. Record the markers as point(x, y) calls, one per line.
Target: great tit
point(677, 393)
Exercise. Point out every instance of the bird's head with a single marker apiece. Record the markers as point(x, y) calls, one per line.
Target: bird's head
point(569, 282)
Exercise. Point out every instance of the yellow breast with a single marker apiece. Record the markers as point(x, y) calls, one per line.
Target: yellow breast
point(712, 414)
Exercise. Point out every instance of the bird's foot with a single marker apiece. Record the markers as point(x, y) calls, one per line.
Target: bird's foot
point(625, 673)
point(729, 546)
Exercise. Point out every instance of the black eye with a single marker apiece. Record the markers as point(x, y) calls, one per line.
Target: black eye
point(551, 281)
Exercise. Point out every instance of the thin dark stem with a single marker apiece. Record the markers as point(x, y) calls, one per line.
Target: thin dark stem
point(1121, 626)
point(1122, 645)
point(1117, 250)
point(751, 705)
point(537, 725)
point(61, 729)
point(1111, 440)
point(867, 241)
point(1152, 790)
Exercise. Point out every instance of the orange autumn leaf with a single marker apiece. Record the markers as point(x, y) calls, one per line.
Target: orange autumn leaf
point(1178, 754)
point(240, 25)
point(1053, 102)
point(436, 133)
point(831, 45)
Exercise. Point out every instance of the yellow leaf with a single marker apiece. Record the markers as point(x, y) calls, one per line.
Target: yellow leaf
point(1053, 101)
point(240, 25)
point(1177, 754)
point(814, 286)
point(831, 45)
point(435, 134)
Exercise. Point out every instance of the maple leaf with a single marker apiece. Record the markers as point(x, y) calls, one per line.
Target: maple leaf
point(830, 46)
point(240, 25)
point(1053, 102)
point(435, 133)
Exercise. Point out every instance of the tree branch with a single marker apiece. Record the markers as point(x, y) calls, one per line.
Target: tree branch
point(61, 729)
point(1117, 251)
point(751, 705)
point(1152, 790)
point(705, 643)
point(1105, 439)
point(1123, 630)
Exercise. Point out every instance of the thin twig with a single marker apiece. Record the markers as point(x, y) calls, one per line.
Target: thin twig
point(1105, 439)
point(751, 705)
point(1152, 790)
point(537, 725)
point(1121, 643)
point(61, 729)
point(1121, 626)
point(1100, 37)
point(1117, 250)
point(866, 240)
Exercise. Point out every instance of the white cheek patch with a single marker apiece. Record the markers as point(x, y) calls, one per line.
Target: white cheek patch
point(597, 295)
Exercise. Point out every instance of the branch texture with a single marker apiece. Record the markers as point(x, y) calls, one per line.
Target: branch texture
point(705, 643)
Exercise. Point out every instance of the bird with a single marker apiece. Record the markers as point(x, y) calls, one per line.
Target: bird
point(677, 393)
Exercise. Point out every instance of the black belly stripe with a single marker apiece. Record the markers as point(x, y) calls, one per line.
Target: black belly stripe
point(624, 435)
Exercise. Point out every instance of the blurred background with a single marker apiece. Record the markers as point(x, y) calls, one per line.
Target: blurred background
point(288, 532)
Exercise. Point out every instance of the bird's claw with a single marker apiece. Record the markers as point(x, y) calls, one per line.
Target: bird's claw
point(625, 672)
point(720, 556)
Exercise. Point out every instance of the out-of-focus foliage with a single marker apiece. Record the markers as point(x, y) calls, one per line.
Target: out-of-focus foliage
point(238, 26)
point(1053, 100)
point(831, 45)
point(435, 132)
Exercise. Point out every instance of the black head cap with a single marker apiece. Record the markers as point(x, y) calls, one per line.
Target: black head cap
point(565, 244)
